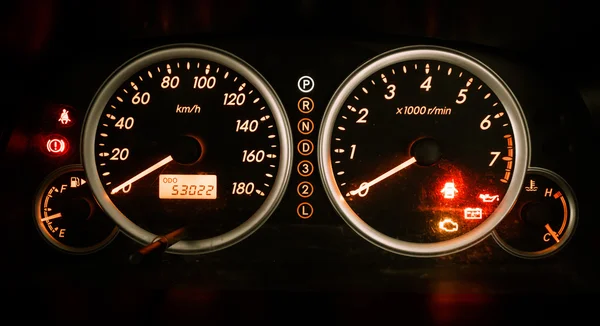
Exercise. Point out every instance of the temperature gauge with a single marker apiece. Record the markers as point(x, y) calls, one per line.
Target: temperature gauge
point(543, 219)
point(67, 215)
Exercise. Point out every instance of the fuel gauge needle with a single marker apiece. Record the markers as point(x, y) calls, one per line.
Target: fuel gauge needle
point(552, 233)
point(388, 174)
point(142, 174)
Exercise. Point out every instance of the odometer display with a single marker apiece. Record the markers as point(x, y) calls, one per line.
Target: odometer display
point(182, 123)
point(423, 150)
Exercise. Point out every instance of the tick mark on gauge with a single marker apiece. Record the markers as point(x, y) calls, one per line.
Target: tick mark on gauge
point(341, 173)
point(149, 74)
point(265, 118)
point(404, 69)
point(110, 116)
point(235, 79)
point(416, 66)
point(119, 99)
point(134, 86)
point(268, 175)
point(271, 126)
point(460, 75)
point(372, 82)
point(356, 97)
point(344, 117)
point(103, 154)
point(101, 144)
point(365, 90)
point(177, 64)
point(487, 96)
point(272, 136)
point(383, 78)
point(470, 81)
point(271, 156)
point(341, 128)
point(226, 75)
point(256, 100)
point(168, 68)
point(207, 70)
point(250, 92)
point(260, 192)
point(449, 71)
point(267, 185)
point(242, 86)
point(480, 86)
point(142, 79)
point(103, 135)
point(427, 68)
point(439, 67)
point(104, 125)
point(187, 65)
point(393, 72)
point(198, 65)
point(112, 106)
point(495, 104)
point(339, 150)
point(273, 146)
point(498, 115)
point(272, 166)
point(351, 108)
point(105, 174)
point(217, 71)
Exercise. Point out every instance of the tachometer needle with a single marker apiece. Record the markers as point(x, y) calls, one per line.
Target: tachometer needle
point(552, 233)
point(388, 174)
point(143, 174)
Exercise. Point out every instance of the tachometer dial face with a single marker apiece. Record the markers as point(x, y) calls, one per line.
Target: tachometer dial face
point(187, 136)
point(423, 150)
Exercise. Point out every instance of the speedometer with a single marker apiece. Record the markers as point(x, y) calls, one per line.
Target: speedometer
point(423, 150)
point(187, 136)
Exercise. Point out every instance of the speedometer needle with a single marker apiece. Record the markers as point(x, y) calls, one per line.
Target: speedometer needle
point(142, 174)
point(388, 174)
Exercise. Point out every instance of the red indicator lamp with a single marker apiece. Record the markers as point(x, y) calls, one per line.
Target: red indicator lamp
point(449, 190)
point(56, 145)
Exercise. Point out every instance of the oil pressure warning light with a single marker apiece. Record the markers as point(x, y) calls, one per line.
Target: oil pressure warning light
point(67, 216)
point(543, 218)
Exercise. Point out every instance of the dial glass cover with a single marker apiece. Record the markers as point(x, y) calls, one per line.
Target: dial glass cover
point(187, 136)
point(420, 147)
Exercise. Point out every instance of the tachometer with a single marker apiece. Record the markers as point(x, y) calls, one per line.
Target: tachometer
point(423, 150)
point(187, 136)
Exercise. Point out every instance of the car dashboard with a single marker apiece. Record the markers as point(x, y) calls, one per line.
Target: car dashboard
point(230, 160)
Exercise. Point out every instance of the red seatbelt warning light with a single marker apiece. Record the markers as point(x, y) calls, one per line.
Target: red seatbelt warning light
point(57, 145)
point(64, 117)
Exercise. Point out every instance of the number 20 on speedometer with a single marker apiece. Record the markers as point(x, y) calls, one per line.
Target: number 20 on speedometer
point(422, 151)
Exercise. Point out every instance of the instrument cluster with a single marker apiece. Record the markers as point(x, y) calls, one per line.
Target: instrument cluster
point(377, 157)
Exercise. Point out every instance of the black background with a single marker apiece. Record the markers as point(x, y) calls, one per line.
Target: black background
point(60, 52)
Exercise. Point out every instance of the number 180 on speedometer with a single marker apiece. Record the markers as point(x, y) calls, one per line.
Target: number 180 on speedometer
point(187, 186)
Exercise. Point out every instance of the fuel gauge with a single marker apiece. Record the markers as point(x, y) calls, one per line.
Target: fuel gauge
point(543, 218)
point(67, 215)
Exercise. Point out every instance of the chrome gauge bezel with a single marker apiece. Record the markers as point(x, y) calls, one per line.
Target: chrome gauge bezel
point(571, 225)
point(37, 216)
point(487, 76)
point(218, 56)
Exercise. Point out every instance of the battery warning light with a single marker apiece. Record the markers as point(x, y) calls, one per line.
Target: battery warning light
point(473, 213)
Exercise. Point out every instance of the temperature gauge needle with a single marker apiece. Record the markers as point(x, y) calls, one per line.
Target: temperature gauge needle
point(388, 174)
point(143, 174)
point(552, 233)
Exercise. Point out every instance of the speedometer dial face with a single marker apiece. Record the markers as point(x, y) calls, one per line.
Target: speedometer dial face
point(187, 136)
point(423, 150)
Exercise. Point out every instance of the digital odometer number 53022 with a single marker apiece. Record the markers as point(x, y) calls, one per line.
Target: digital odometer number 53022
point(423, 151)
point(187, 136)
